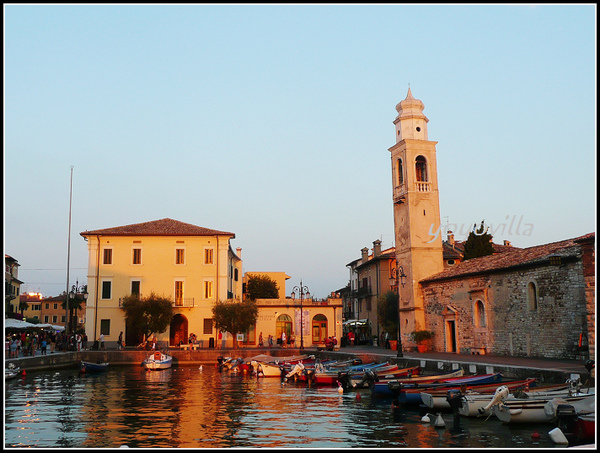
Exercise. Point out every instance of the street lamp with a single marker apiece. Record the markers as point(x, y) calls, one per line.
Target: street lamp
point(303, 291)
point(398, 274)
point(77, 292)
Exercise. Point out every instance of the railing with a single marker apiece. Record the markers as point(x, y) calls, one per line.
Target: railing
point(183, 302)
point(423, 186)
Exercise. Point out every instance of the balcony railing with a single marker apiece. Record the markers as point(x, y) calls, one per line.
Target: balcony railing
point(184, 302)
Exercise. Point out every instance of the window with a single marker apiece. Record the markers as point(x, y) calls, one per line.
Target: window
point(208, 256)
point(400, 173)
point(107, 256)
point(179, 293)
point(532, 296)
point(105, 326)
point(179, 256)
point(137, 256)
point(208, 326)
point(135, 287)
point(421, 169)
point(106, 289)
point(55, 306)
point(208, 289)
point(479, 314)
point(54, 319)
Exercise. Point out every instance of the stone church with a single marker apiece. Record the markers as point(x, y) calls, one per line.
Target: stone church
point(537, 301)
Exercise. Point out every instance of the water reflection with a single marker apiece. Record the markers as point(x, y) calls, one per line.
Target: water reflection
point(191, 408)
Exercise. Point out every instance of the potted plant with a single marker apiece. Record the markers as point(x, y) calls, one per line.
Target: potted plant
point(421, 337)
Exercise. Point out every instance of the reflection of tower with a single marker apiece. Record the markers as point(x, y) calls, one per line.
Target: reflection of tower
point(416, 208)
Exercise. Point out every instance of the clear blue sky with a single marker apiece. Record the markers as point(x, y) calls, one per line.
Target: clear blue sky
point(274, 122)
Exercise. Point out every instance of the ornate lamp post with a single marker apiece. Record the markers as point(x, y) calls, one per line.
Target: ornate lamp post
point(398, 275)
point(303, 292)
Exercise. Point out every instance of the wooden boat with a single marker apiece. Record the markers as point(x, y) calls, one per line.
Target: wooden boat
point(534, 410)
point(365, 379)
point(158, 361)
point(475, 401)
point(382, 388)
point(87, 367)
point(332, 376)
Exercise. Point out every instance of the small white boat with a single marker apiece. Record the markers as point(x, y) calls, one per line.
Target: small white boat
point(158, 361)
point(264, 369)
point(11, 372)
point(479, 404)
point(534, 410)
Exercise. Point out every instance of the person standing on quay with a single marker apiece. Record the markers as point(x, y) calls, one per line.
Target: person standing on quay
point(120, 341)
point(283, 339)
point(102, 342)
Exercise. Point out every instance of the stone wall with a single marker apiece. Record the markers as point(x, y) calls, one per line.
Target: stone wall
point(510, 326)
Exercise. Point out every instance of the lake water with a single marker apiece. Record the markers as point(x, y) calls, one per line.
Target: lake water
point(185, 407)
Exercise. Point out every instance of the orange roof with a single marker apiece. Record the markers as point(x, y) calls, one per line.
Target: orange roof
point(511, 258)
point(163, 227)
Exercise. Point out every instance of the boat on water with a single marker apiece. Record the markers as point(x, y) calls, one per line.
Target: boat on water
point(158, 361)
point(365, 379)
point(537, 410)
point(382, 388)
point(91, 367)
point(476, 403)
point(11, 371)
point(332, 375)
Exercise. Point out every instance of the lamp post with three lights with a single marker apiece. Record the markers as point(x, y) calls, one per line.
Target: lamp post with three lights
point(303, 290)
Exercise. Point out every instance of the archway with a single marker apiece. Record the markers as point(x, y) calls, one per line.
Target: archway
point(319, 329)
point(178, 330)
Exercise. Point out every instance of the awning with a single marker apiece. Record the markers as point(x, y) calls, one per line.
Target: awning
point(50, 326)
point(356, 322)
point(11, 323)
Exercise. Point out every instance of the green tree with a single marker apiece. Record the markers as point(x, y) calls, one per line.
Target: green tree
point(235, 316)
point(261, 287)
point(387, 313)
point(147, 315)
point(479, 243)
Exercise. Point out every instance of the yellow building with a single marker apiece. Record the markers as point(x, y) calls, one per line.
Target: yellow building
point(191, 265)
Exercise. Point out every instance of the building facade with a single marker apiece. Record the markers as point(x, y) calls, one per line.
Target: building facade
point(12, 285)
point(192, 266)
point(538, 301)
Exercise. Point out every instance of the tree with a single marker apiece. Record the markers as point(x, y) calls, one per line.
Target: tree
point(147, 315)
point(235, 316)
point(261, 287)
point(479, 243)
point(387, 313)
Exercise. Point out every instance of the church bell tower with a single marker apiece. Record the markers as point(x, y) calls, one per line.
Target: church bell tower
point(416, 209)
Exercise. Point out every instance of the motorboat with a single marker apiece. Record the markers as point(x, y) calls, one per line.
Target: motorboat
point(158, 361)
point(11, 371)
point(91, 367)
point(382, 388)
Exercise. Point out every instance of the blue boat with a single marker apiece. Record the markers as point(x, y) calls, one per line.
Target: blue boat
point(91, 367)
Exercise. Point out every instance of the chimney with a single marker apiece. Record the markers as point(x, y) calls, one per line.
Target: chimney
point(451, 238)
point(365, 255)
point(239, 252)
point(507, 243)
point(376, 248)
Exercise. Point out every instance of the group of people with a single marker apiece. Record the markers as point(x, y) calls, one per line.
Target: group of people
point(284, 340)
point(29, 343)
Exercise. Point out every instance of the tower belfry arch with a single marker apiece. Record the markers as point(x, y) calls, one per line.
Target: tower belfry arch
point(416, 208)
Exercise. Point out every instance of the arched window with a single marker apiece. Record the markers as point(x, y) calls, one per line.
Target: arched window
point(400, 173)
point(421, 169)
point(319, 329)
point(479, 314)
point(532, 296)
point(284, 324)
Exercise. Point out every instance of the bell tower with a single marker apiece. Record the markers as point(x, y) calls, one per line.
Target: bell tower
point(416, 209)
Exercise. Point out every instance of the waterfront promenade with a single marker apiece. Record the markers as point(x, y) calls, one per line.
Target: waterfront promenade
point(546, 370)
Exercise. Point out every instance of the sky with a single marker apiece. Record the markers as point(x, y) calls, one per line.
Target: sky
point(274, 121)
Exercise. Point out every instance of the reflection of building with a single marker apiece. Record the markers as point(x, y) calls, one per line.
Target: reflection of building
point(192, 266)
point(12, 285)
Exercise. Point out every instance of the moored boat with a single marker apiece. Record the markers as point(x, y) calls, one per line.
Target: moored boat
point(11, 371)
point(86, 367)
point(381, 388)
point(534, 410)
point(158, 361)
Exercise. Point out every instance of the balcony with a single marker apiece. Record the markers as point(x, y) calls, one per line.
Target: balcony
point(184, 302)
point(401, 191)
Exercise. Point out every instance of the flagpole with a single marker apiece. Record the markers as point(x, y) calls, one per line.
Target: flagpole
point(67, 324)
